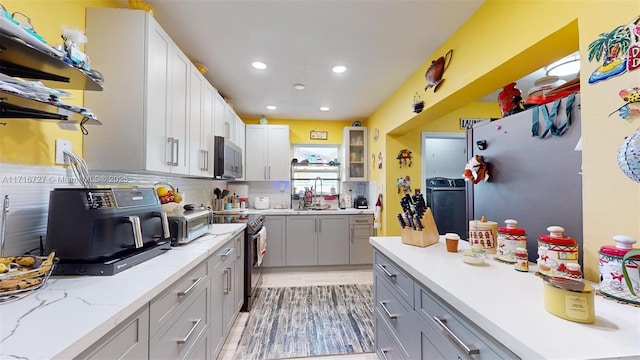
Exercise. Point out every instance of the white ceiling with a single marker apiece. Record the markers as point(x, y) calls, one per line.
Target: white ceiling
point(380, 41)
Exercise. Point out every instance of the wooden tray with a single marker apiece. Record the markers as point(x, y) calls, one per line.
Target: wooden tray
point(429, 234)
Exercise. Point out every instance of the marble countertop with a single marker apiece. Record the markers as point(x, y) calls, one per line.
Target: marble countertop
point(348, 211)
point(509, 305)
point(70, 313)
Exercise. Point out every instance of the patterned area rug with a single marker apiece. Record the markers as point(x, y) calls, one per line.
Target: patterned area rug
point(308, 321)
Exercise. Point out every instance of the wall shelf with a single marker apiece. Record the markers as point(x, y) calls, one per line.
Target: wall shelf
point(14, 106)
point(19, 59)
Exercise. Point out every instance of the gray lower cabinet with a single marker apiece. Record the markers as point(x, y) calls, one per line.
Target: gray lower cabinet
point(301, 241)
point(333, 240)
point(217, 335)
point(238, 276)
point(189, 320)
point(360, 250)
point(317, 240)
point(129, 340)
point(423, 326)
point(276, 235)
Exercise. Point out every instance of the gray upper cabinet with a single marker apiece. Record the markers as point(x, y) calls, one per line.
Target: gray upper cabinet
point(276, 233)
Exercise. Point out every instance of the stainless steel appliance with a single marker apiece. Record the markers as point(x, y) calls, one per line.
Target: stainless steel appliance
point(254, 250)
point(188, 225)
point(227, 163)
point(104, 231)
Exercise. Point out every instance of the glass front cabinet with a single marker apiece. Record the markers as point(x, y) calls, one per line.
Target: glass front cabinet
point(355, 150)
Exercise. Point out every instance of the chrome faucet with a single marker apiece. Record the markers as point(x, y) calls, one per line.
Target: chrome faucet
point(315, 191)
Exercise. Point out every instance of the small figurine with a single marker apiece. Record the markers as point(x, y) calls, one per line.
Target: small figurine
point(404, 184)
point(403, 156)
point(476, 170)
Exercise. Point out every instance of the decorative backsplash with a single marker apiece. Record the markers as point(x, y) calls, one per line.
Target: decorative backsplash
point(28, 188)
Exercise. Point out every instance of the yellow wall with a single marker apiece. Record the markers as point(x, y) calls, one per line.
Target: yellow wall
point(31, 141)
point(413, 141)
point(299, 130)
point(500, 43)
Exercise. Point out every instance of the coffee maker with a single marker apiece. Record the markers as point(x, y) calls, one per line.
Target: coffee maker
point(103, 231)
point(360, 202)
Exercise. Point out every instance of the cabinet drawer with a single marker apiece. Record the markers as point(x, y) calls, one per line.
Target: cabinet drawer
point(387, 346)
point(400, 280)
point(175, 340)
point(164, 307)
point(129, 340)
point(226, 252)
point(362, 231)
point(361, 219)
point(394, 313)
point(449, 323)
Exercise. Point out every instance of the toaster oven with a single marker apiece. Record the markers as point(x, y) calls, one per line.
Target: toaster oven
point(189, 225)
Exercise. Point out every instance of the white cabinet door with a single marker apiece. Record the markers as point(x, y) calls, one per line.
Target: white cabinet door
point(200, 125)
point(157, 98)
point(208, 123)
point(256, 159)
point(219, 110)
point(355, 151)
point(179, 102)
point(196, 156)
point(267, 149)
point(278, 152)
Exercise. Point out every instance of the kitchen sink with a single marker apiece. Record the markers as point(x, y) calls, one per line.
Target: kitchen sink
point(316, 207)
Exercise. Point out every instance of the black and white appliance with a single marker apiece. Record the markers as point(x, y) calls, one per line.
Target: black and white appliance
point(227, 163)
point(104, 231)
point(447, 200)
point(255, 244)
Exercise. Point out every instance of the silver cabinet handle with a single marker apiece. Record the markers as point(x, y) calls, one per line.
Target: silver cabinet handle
point(265, 173)
point(193, 286)
point(170, 140)
point(204, 160)
point(238, 246)
point(384, 269)
point(227, 253)
point(319, 225)
point(227, 275)
point(177, 162)
point(186, 338)
point(384, 354)
point(384, 307)
point(469, 349)
point(207, 160)
point(351, 236)
point(269, 167)
point(362, 221)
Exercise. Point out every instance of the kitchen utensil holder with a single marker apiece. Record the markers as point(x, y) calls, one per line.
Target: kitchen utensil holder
point(429, 234)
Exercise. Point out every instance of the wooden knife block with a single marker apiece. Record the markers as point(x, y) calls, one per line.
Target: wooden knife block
point(429, 234)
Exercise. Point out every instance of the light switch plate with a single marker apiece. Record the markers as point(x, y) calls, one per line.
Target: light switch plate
point(61, 146)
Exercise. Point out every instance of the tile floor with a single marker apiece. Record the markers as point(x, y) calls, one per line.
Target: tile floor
point(287, 279)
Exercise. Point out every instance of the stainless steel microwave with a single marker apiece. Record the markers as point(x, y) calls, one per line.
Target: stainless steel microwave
point(228, 159)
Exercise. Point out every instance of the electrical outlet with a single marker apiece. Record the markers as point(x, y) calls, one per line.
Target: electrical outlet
point(61, 146)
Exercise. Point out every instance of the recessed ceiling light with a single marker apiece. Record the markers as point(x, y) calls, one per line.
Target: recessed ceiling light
point(339, 69)
point(324, 108)
point(298, 86)
point(259, 65)
point(271, 107)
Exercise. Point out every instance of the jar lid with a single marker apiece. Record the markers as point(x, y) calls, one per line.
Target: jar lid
point(567, 284)
point(623, 245)
point(511, 228)
point(556, 237)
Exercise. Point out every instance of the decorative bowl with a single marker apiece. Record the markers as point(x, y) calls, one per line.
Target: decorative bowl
point(473, 257)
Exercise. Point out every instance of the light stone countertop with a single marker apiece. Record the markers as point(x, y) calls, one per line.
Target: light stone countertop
point(509, 305)
point(70, 313)
point(348, 211)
